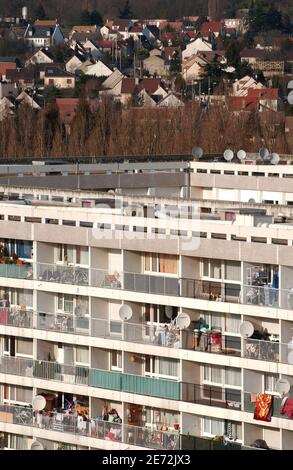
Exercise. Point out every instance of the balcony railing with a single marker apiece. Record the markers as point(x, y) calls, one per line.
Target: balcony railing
point(153, 284)
point(115, 432)
point(155, 387)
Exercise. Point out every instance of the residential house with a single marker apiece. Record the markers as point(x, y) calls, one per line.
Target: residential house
point(67, 108)
point(193, 67)
point(170, 101)
point(22, 78)
point(127, 88)
point(154, 88)
point(7, 108)
point(237, 24)
point(210, 29)
point(42, 68)
point(155, 65)
point(82, 38)
point(121, 27)
point(75, 62)
point(92, 49)
point(86, 29)
point(104, 31)
point(59, 78)
point(42, 56)
point(241, 87)
point(152, 33)
point(25, 99)
point(135, 32)
point(113, 84)
point(6, 63)
point(44, 34)
point(256, 99)
point(6, 89)
point(198, 45)
point(262, 59)
point(99, 69)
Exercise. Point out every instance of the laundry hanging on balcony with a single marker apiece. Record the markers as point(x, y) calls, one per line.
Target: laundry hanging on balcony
point(263, 407)
point(287, 407)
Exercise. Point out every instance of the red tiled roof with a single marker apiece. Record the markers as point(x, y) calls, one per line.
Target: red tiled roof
point(213, 26)
point(45, 23)
point(136, 29)
point(128, 85)
point(169, 52)
point(253, 53)
point(67, 108)
point(4, 66)
point(150, 85)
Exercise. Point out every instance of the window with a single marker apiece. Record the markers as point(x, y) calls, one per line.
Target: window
point(270, 383)
point(159, 263)
point(212, 268)
point(18, 442)
point(161, 366)
point(82, 355)
point(160, 313)
point(225, 376)
point(65, 303)
point(24, 346)
point(232, 323)
point(73, 254)
point(213, 426)
point(18, 296)
point(233, 271)
point(214, 319)
point(21, 248)
point(17, 394)
point(116, 360)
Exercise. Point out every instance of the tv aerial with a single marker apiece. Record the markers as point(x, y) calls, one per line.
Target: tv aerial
point(197, 152)
point(274, 158)
point(241, 155)
point(125, 312)
point(228, 155)
point(246, 329)
point(263, 153)
point(183, 321)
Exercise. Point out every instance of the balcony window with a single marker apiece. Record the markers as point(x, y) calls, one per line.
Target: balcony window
point(161, 263)
point(21, 248)
point(116, 360)
point(213, 427)
point(65, 303)
point(160, 366)
point(24, 347)
point(82, 355)
point(270, 383)
point(224, 376)
point(17, 394)
point(211, 269)
point(233, 271)
point(160, 313)
point(232, 323)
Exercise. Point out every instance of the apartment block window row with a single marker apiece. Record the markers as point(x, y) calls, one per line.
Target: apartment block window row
point(161, 263)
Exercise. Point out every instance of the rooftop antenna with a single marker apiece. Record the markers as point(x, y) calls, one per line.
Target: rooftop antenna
point(241, 155)
point(228, 155)
point(197, 152)
point(274, 158)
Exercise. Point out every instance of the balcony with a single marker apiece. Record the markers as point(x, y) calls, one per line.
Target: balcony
point(139, 385)
point(218, 291)
point(114, 432)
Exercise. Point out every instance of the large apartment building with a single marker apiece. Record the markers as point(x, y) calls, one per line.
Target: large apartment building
point(151, 308)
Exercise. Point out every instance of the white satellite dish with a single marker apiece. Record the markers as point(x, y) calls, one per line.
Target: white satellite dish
point(282, 386)
point(36, 445)
point(274, 158)
point(183, 321)
point(290, 97)
point(290, 357)
point(197, 152)
point(241, 155)
point(38, 403)
point(246, 329)
point(228, 155)
point(125, 312)
point(290, 85)
point(263, 153)
point(169, 311)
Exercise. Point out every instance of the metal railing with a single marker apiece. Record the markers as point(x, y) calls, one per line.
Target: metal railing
point(153, 284)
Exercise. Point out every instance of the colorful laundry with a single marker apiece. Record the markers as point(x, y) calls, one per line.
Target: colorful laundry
point(287, 408)
point(263, 407)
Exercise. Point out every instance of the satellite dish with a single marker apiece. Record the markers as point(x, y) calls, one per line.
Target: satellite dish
point(183, 321)
point(263, 153)
point(38, 403)
point(125, 312)
point(274, 158)
point(290, 357)
point(169, 311)
point(228, 155)
point(246, 329)
point(241, 155)
point(251, 200)
point(36, 445)
point(290, 97)
point(290, 85)
point(282, 386)
point(197, 152)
